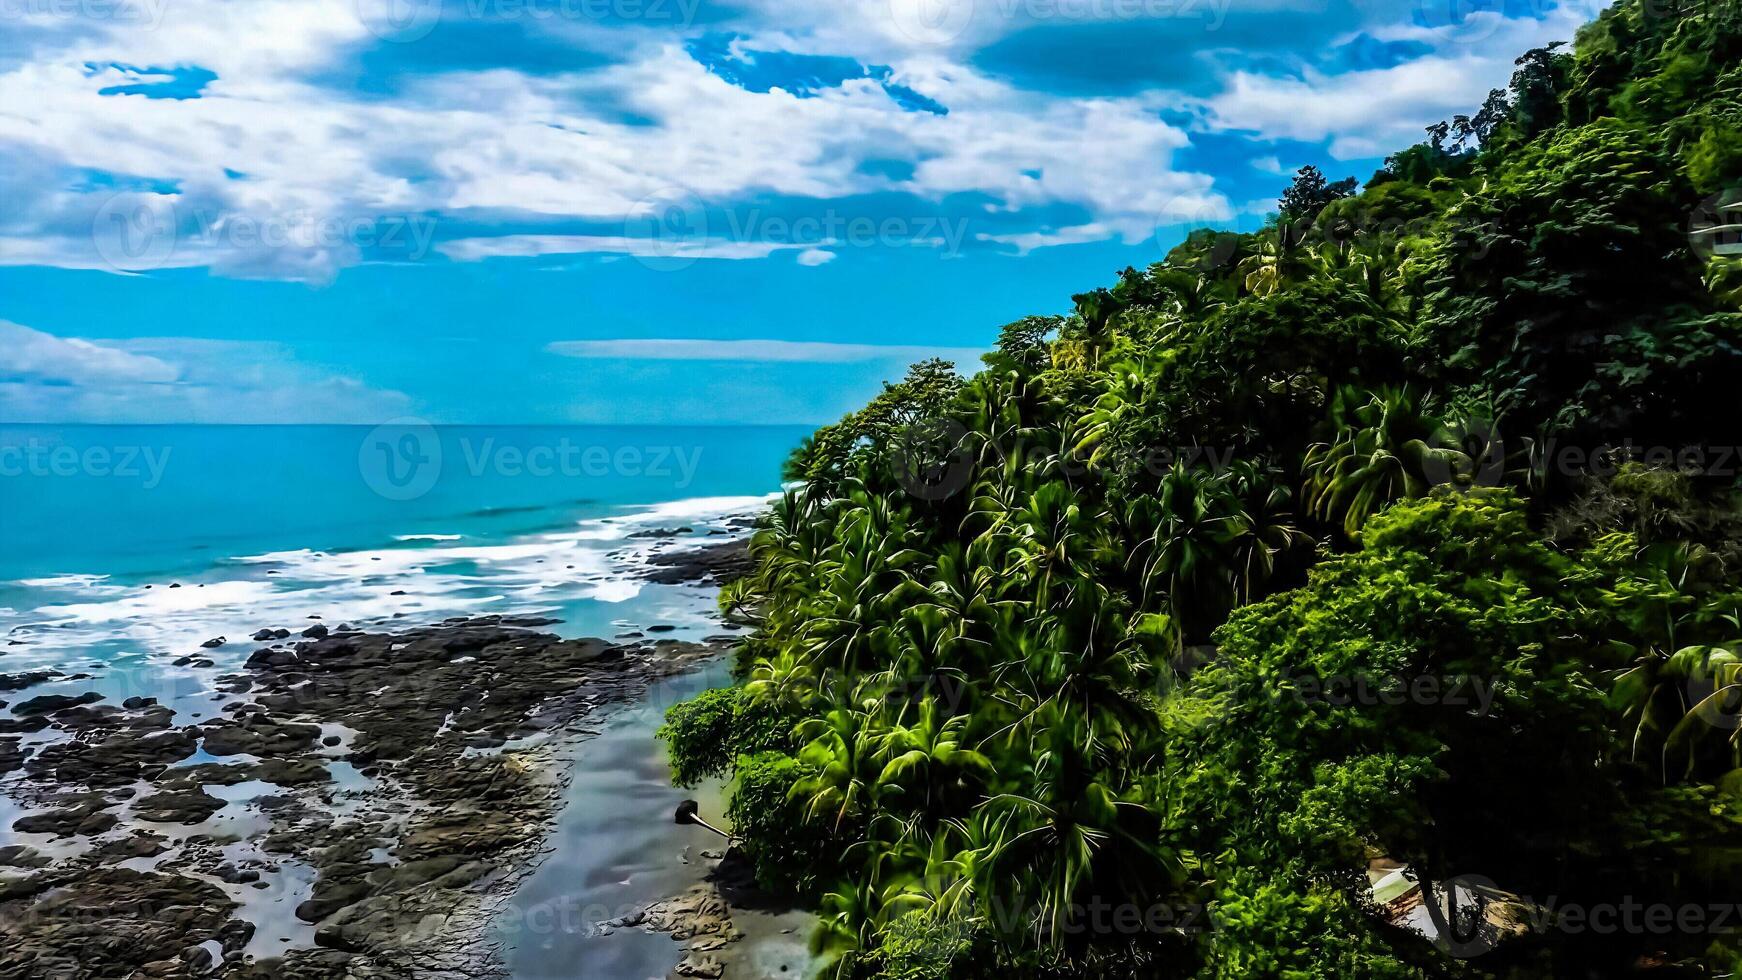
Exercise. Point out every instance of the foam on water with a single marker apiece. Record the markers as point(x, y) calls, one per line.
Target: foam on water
point(421, 578)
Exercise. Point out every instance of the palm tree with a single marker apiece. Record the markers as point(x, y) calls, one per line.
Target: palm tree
point(841, 749)
point(1383, 451)
point(1068, 836)
point(785, 680)
point(1279, 259)
point(1682, 710)
point(926, 763)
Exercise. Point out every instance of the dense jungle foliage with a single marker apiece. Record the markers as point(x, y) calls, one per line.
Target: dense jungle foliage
point(1401, 534)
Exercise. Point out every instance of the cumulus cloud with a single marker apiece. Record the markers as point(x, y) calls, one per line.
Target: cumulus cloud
point(32, 357)
point(1379, 111)
point(44, 377)
point(281, 138)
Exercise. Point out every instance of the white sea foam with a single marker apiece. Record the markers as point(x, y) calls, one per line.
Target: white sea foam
point(423, 579)
point(63, 582)
point(427, 537)
point(697, 508)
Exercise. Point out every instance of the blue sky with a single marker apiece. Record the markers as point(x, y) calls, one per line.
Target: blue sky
point(654, 211)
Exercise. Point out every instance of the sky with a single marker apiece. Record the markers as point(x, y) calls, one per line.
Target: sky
point(644, 211)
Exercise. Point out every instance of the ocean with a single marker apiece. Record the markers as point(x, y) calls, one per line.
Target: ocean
point(125, 550)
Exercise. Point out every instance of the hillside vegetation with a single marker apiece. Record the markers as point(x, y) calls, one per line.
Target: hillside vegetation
point(1402, 533)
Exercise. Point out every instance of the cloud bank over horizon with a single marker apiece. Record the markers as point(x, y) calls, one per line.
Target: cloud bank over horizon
point(290, 139)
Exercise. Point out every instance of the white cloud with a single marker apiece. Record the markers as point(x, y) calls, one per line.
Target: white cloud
point(815, 256)
point(44, 377)
point(1268, 165)
point(31, 356)
point(757, 350)
point(502, 145)
point(1376, 112)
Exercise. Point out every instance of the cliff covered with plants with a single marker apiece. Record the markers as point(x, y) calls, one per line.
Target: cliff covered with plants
point(1397, 542)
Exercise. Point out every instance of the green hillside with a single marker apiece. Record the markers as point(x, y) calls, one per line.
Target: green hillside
point(1397, 541)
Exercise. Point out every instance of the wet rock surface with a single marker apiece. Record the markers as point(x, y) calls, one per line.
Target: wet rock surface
point(387, 789)
point(713, 563)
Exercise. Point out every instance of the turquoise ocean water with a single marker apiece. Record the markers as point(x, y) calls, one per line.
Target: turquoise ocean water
point(131, 544)
point(124, 549)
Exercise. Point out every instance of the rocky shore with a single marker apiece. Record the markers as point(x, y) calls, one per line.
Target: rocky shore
point(392, 786)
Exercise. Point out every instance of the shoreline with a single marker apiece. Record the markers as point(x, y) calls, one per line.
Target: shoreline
point(395, 835)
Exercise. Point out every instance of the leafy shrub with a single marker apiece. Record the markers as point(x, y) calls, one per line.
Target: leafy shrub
point(789, 855)
point(705, 733)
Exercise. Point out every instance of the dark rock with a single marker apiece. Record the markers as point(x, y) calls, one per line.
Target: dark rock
point(141, 844)
point(661, 628)
point(115, 922)
point(22, 856)
point(259, 735)
point(45, 704)
point(292, 772)
point(135, 703)
point(83, 814)
point(718, 562)
point(190, 807)
point(29, 678)
point(261, 636)
point(115, 760)
point(315, 632)
point(215, 642)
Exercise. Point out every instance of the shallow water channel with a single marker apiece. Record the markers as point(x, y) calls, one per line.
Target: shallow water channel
point(616, 850)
